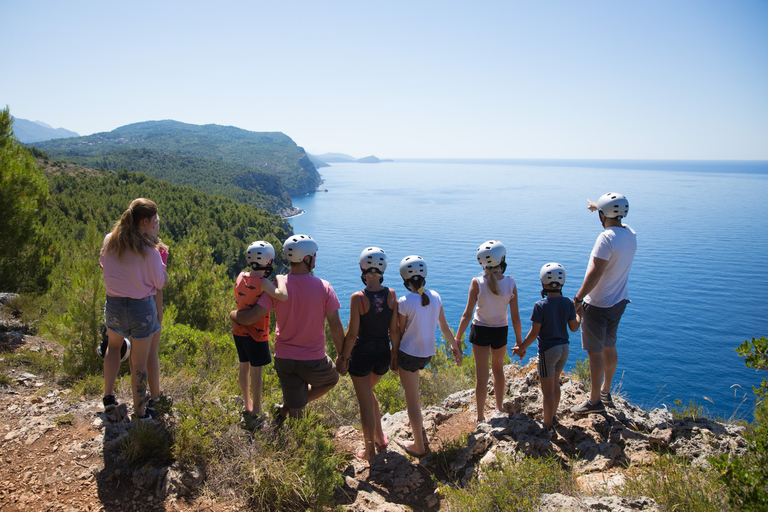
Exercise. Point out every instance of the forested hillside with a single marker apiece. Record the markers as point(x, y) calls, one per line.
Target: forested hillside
point(258, 189)
point(220, 225)
point(218, 157)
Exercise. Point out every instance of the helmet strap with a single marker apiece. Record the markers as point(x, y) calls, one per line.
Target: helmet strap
point(546, 290)
point(266, 268)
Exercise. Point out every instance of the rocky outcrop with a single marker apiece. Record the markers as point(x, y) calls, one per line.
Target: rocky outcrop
point(595, 446)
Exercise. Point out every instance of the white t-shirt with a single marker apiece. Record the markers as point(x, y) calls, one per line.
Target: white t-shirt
point(491, 309)
point(617, 246)
point(419, 336)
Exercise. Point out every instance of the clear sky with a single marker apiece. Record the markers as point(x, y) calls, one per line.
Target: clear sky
point(669, 79)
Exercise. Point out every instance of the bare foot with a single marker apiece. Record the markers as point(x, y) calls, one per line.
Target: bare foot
point(408, 447)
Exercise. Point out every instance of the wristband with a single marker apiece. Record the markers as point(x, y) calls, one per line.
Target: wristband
point(577, 300)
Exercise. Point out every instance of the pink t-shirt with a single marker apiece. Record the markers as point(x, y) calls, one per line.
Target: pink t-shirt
point(300, 332)
point(135, 276)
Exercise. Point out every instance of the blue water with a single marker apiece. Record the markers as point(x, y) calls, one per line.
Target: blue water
point(698, 284)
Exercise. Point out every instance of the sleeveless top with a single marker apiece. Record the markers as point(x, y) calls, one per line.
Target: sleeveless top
point(374, 323)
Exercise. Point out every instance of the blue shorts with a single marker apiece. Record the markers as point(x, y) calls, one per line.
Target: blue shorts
point(252, 351)
point(132, 318)
point(411, 363)
point(369, 356)
point(599, 326)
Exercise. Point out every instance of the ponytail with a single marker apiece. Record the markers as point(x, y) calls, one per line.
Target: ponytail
point(493, 282)
point(126, 234)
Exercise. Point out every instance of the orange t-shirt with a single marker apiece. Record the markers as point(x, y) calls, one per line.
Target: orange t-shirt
point(247, 293)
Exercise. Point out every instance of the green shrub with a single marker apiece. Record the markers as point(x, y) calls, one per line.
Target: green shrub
point(5, 380)
point(511, 485)
point(146, 443)
point(201, 422)
point(89, 386)
point(42, 363)
point(321, 469)
point(746, 477)
point(580, 372)
point(675, 485)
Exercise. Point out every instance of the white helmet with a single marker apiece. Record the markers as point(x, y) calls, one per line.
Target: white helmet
point(491, 253)
point(298, 246)
point(373, 257)
point(260, 254)
point(552, 273)
point(412, 266)
point(613, 205)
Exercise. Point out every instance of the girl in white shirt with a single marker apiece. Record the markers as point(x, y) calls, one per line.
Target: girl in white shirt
point(492, 292)
point(420, 312)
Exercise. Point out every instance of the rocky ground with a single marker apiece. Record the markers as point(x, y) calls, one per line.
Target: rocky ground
point(59, 453)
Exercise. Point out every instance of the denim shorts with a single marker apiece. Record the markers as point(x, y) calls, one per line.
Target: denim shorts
point(599, 326)
point(411, 363)
point(370, 356)
point(552, 361)
point(132, 318)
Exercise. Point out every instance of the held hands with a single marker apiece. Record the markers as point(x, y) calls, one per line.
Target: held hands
point(393, 361)
point(342, 366)
point(519, 351)
point(458, 355)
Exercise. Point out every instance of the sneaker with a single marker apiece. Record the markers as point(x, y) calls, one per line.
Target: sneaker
point(587, 407)
point(111, 412)
point(555, 423)
point(144, 418)
point(153, 413)
point(551, 431)
point(606, 398)
point(498, 414)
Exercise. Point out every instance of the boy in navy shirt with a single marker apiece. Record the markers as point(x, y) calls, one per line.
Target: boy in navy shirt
point(552, 316)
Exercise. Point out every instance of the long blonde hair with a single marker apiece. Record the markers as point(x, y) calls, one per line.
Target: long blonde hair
point(491, 279)
point(126, 234)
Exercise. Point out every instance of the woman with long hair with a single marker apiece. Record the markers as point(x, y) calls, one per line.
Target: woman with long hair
point(492, 292)
point(133, 272)
point(366, 350)
point(420, 312)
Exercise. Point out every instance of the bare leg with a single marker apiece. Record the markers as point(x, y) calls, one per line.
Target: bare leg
point(548, 397)
point(499, 385)
point(611, 358)
point(112, 361)
point(596, 373)
point(410, 382)
point(557, 395)
point(378, 435)
point(242, 380)
point(256, 386)
point(153, 366)
point(481, 380)
point(367, 402)
point(139, 378)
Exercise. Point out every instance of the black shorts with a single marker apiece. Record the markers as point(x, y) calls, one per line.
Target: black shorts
point(369, 357)
point(252, 351)
point(483, 336)
point(411, 363)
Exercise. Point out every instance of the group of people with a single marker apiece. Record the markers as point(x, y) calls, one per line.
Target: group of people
point(383, 333)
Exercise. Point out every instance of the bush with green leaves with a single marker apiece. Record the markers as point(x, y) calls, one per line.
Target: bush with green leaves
point(25, 251)
point(746, 476)
point(675, 485)
point(511, 485)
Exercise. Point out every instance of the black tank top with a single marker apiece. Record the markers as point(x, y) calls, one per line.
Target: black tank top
point(374, 324)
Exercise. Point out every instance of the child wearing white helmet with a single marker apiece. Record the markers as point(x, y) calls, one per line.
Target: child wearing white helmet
point(492, 293)
point(366, 353)
point(552, 316)
point(419, 312)
point(252, 341)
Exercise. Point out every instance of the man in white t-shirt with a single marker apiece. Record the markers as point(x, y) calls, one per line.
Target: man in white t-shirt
point(603, 296)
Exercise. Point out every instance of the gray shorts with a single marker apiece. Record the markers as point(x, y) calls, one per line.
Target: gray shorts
point(600, 325)
point(552, 361)
point(296, 376)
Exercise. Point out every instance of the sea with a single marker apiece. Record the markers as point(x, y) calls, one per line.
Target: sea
point(698, 285)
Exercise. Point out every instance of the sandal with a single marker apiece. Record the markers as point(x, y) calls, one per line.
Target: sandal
point(382, 447)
